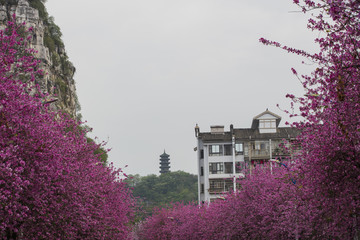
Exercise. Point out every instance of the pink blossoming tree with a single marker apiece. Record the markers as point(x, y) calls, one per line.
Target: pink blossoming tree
point(318, 196)
point(52, 186)
point(330, 139)
point(269, 206)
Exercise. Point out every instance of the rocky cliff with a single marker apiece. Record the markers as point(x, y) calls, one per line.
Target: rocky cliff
point(46, 39)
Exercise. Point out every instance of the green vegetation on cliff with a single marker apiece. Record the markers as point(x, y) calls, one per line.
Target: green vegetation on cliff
point(61, 66)
point(61, 69)
point(39, 5)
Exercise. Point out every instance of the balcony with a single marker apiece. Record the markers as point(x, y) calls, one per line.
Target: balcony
point(218, 186)
point(264, 153)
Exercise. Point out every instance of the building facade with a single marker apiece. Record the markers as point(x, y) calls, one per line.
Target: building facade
point(224, 156)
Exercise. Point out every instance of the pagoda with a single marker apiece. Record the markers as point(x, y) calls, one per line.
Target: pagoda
point(164, 163)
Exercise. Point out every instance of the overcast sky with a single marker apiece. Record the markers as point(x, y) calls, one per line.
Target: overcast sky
point(149, 70)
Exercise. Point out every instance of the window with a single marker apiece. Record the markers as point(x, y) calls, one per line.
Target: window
point(202, 171)
point(241, 166)
point(239, 148)
point(228, 149)
point(228, 167)
point(267, 123)
point(217, 185)
point(246, 150)
point(202, 154)
point(202, 188)
point(215, 150)
point(216, 168)
point(264, 146)
point(229, 185)
point(220, 186)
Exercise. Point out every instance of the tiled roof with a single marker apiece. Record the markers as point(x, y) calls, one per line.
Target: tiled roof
point(248, 133)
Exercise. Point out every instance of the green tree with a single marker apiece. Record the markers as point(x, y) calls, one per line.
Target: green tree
point(100, 151)
point(158, 191)
point(39, 5)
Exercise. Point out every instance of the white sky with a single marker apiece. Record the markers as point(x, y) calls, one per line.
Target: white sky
point(149, 70)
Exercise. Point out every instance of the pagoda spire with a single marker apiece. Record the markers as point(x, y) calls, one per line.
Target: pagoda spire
point(164, 163)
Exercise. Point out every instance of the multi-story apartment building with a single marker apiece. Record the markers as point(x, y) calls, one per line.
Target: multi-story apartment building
point(224, 156)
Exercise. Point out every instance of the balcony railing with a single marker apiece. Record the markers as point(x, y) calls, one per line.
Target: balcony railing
point(265, 153)
point(217, 190)
point(220, 186)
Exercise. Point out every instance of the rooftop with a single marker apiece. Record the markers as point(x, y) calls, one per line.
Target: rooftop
point(217, 133)
point(250, 133)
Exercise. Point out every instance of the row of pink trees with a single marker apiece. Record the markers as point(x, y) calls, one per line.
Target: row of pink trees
point(52, 185)
point(267, 207)
point(324, 201)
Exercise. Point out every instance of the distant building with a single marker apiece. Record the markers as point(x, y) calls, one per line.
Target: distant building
point(164, 163)
point(223, 156)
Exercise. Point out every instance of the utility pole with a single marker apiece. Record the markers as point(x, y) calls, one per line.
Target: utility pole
point(234, 165)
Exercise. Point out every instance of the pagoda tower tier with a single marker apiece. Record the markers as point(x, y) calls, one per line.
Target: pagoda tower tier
point(164, 163)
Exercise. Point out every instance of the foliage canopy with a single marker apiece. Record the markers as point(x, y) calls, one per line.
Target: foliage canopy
point(52, 185)
point(159, 191)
